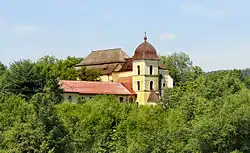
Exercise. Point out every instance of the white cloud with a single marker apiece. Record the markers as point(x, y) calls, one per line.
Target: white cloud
point(23, 28)
point(167, 36)
point(203, 10)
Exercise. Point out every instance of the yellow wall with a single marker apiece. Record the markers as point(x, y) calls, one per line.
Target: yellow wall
point(145, 66)
point(155, 83)
point(154, 64)
point(142, 66)
point(144, 78)
point(117, 75)
point(106, 78)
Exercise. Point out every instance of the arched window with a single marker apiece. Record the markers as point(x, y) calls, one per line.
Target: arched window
point(151, 70)
point(151, 85)
point(138, 70)
point(138, 85)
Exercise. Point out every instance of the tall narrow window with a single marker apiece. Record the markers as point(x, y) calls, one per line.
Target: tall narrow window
point(151, 70)
point(151, 85)
point(138, 70)
point(138, 85)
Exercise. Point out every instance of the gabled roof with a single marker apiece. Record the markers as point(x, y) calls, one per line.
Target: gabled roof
point(95, 88)
point(98, 57)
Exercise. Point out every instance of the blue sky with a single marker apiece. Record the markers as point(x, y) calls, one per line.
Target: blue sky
point(214, 33)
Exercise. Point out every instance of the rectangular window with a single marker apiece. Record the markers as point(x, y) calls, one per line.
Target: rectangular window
point(70, 98)
point(121, 99)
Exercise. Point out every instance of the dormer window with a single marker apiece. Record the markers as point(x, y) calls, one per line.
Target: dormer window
point(138, 70)
point(151, 70)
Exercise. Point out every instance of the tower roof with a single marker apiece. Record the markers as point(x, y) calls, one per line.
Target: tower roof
point(145, 51)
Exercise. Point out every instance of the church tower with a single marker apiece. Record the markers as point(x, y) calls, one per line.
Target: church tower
point(146, 73)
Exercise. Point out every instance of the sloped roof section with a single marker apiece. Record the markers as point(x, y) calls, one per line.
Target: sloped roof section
point(116, 55)
point(153, 97)
point(104, 69)
point(163, 66)
point(127, 66)
point(94, 88)
point(127, 82)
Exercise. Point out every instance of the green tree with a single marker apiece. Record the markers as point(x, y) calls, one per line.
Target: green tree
point(23, 78)
point(85, 74)
point(2, 69)
point(56, 136)
point(18, 130)
point(181, 68)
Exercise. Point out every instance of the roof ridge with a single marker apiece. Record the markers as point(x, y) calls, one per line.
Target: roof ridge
point(99, 50)
point(90, 81)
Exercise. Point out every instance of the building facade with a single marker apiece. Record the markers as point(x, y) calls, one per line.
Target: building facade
point(142, 75)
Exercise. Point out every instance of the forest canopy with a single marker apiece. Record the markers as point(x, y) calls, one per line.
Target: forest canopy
point(204, 112)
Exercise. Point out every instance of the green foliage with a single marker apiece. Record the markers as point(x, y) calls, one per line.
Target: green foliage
point(2, 69)
point(181, 68)
point(55, 135)
point(93, 123)
point(28, 78)
point(18, 130)
point(204, 112)
point(85, 74)
point(23, 77)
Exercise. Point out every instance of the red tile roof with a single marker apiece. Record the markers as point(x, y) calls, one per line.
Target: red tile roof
point(91, 87)
point(127, 82)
